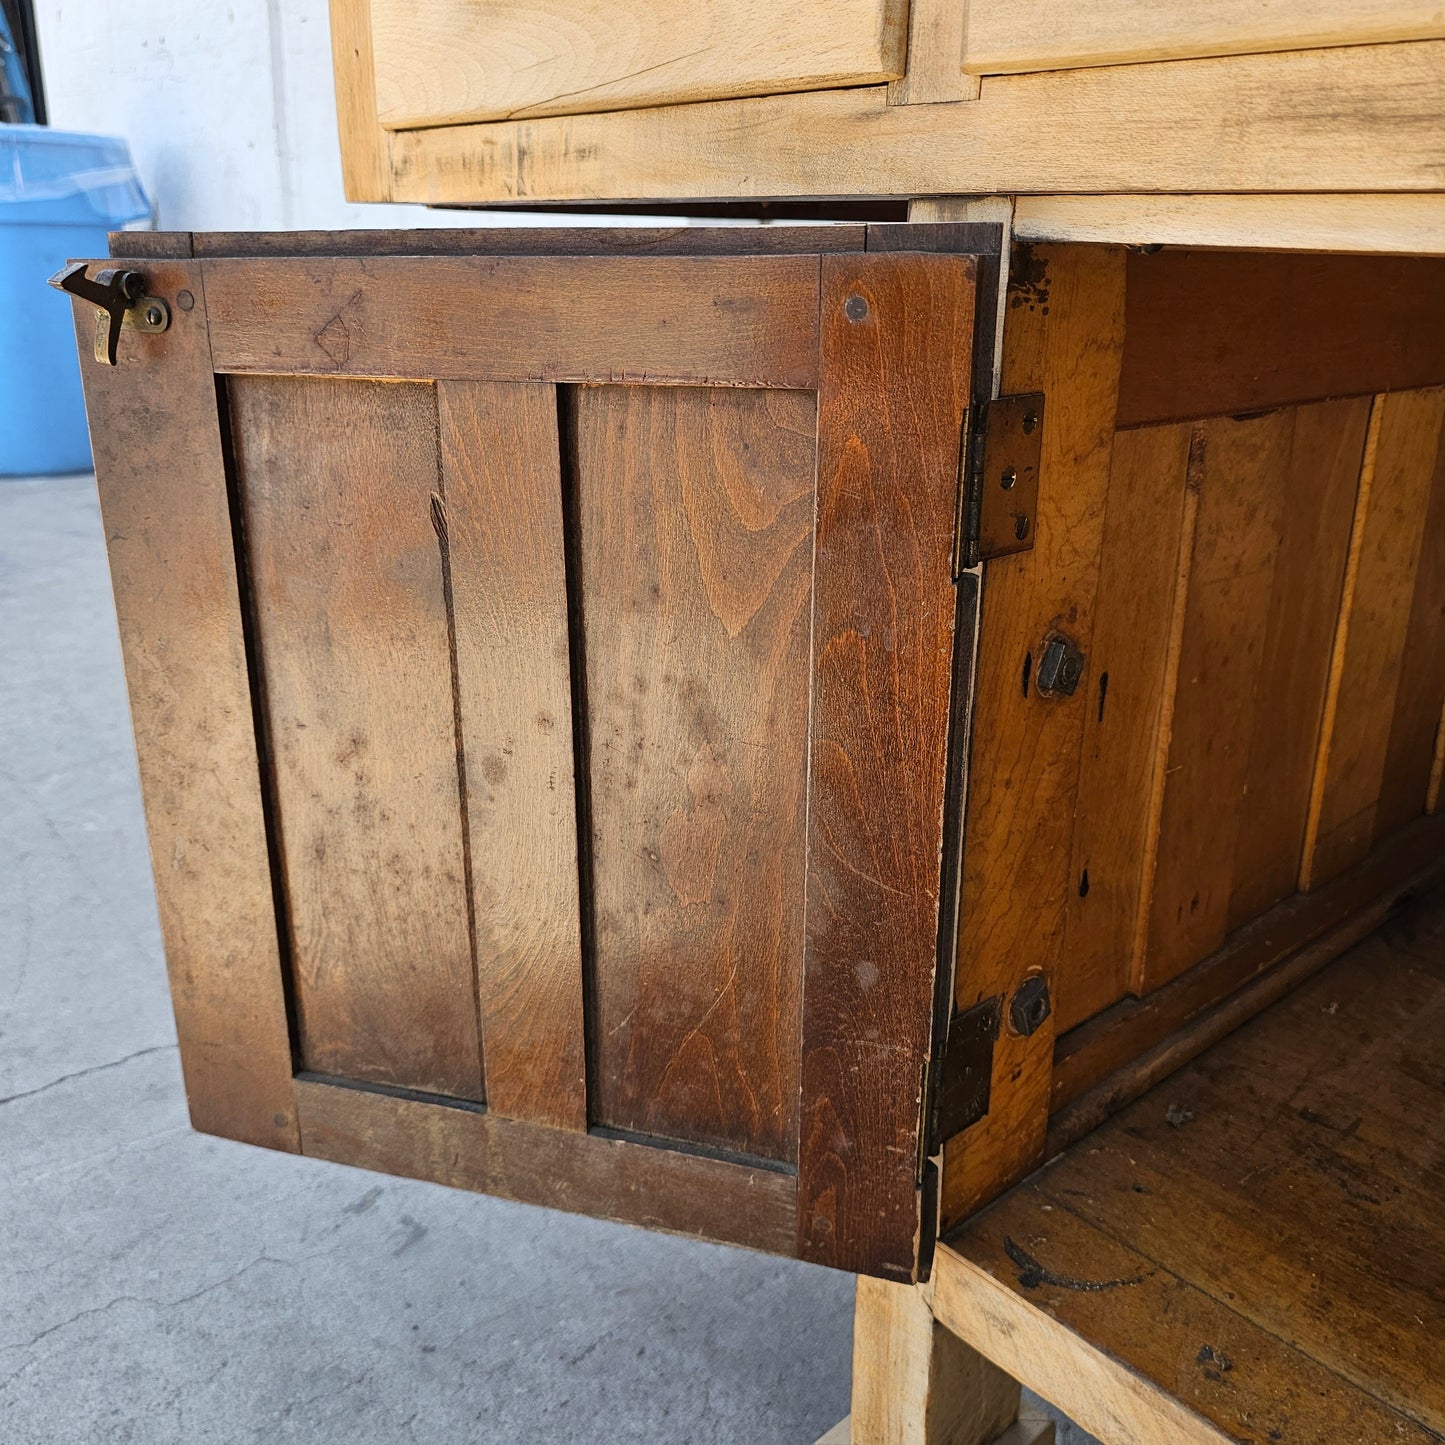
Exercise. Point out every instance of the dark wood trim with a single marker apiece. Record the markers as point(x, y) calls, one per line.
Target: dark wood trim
point(688, 320)
point(1216, 333)
point(1125, 1036)
point(151, 245)
point(162, 479)
point(467, 1148)
point(896, 344)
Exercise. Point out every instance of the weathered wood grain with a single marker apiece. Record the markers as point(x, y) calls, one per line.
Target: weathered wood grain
point(500, 516)
point(897, 337)
point(437, 65)
point(168, 529)
point(705, 320)
point(365, 158)
point(336, 479)
point(1064, 336)
point(468, 1148)
point(695, 535)
point(1369, 660)
point(1226, 611)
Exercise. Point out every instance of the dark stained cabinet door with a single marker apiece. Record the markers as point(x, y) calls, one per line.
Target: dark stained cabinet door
point(541, 668)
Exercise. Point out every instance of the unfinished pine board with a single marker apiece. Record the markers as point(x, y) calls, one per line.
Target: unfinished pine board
point(917, 1383)
point(1360, 118)
point(161, 473)
point(1008, 36)
point(694, 512)
point(336, 480)
point(1319, 486)
point(1257, 1240)
point(442, 62)
point(1412, 225)
point(1063, 336)
point(365, 154)
point(1148, 535)
point(935, 55)
point(498, 515)
point(1369, 660)
point(1210, 717)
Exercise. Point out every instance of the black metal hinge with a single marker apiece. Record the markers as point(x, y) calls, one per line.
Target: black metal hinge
point(998, 477)
point(962, 1077)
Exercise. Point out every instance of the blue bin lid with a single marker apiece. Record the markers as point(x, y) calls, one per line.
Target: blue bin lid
point(58, 177)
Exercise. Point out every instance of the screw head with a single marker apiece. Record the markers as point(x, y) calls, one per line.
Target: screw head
point(1009, 479)
point(855, 308)
point(185, 300)
point(1030, 422)
point(153, 316)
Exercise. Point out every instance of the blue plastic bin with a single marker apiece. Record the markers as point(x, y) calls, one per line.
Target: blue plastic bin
point(59, 194)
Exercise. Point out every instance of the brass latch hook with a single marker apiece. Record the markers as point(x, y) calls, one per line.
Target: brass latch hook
point(120, 299)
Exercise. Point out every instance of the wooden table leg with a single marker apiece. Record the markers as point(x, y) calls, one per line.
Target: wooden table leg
point(915, 1383)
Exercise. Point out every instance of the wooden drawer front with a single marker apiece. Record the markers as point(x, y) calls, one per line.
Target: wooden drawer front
point(598, 622)
point(449, 61)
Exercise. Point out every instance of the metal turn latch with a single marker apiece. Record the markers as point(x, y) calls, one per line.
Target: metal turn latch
point(120, 299)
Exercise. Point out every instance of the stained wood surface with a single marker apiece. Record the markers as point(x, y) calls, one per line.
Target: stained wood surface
point(695, 534)
point(1088, 1055)
point(499, 516)
point(336, 480)
point(468, 1148)
point(1370, 666)
point(1148, 535)
point(437, 65)
point(1005, 36)
point(1356, 118)
point(1063, 335)
point(1259, 1237)
point(895, 365)
point(722, 321)
point(1214, 333)
point(163, 495)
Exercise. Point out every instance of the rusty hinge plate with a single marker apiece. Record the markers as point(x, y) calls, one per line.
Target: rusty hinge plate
point(1000, 477)
point(964, 1073)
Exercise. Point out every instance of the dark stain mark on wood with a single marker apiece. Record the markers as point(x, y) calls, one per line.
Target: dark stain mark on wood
point(1032, 1274)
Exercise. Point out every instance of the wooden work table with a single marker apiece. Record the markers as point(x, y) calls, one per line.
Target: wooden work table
point(1254, 1250)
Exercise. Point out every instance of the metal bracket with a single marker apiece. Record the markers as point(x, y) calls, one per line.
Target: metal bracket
point(999, 478)
point(963, 1076)
point(119, 297)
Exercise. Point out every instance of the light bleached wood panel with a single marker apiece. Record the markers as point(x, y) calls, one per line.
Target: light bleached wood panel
point(1365, 118)
point(442, 62)
point(1012, 36)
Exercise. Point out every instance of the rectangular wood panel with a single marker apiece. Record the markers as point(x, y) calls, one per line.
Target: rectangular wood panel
point(500, 515)
point(695, 532)
point(702, 320)
point(1147, 523)
point(897, 336)
point(441, 62)
point(1369, 650)
point(337, 479)
point(1019, 35)
point(1063, 336)
point(161, 473)
point(1219, 681)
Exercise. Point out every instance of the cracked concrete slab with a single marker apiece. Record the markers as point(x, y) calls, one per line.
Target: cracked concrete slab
point(159, 1286)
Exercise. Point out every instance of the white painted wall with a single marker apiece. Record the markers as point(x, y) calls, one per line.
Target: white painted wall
point(228, 108)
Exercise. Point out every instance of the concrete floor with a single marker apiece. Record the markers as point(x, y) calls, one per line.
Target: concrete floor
point(159, 1286)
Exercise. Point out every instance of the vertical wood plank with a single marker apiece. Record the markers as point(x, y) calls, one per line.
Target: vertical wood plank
point(1063, 335)
point(1144, 529)
point(1368, 660)
point(1220, 668)
point(163, 496)
point(337, 478)
point(1409, 755)
point(365, 156)
point(897, 337)
point(1319, 501)
point(917, 1383)
point(501, 517)
point(695, 522)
